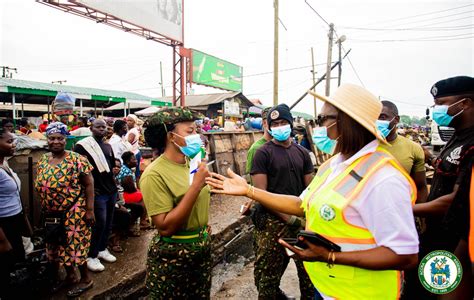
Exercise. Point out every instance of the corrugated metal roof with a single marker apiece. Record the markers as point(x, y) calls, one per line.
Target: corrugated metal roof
point(39, 88)
point(208, 99)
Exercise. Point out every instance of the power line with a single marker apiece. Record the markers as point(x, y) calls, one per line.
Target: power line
point(419, 15)
point(434, 39)
point(436, 18)
point(246, 76)
point(321, 17)
point(353, 68)
point(463, 27)
point(350, 62)
point(436, 23)
point(403, 102)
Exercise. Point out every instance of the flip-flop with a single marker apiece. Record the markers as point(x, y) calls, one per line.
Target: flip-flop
point(77, 291)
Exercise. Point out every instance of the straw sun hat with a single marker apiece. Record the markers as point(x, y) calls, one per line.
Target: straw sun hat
point(358, 103)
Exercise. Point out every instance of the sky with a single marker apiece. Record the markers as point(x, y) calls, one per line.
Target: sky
point(399, 49)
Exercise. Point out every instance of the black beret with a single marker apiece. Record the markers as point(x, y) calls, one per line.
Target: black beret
point(281, 111)
point(453, 86)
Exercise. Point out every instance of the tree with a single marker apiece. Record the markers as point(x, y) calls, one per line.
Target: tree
point(406, 120)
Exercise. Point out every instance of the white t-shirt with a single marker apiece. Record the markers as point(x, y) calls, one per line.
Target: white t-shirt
point(383, 206)
point(119, 146)
point(134, 143)
point(81, 131)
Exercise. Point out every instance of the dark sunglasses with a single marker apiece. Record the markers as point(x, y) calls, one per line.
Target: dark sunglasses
point(321, 119)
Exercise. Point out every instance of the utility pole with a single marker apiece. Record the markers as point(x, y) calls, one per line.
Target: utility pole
point(7, 71)
point(339, 43)
point(329, 62)
point(314, 81)
point(275, 55)
point(161, 81)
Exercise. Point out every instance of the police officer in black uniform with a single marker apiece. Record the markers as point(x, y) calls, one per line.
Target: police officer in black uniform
point(454, 107)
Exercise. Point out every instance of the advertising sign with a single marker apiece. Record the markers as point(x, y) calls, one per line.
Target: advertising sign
point(215, 72)
point(163, 17)
point(231, 108)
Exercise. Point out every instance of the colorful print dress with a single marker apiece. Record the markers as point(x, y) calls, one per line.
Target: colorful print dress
point(58, 188)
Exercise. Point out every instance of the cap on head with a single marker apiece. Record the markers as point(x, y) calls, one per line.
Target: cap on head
point(453, 86)
point(280, 112)
point(265, 112)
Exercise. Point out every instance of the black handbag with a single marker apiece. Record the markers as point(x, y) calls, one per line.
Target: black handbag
point(54, 228)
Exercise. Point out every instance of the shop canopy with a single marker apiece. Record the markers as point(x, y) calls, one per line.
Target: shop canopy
point(17, 92)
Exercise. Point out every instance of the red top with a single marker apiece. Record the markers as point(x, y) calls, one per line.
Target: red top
point(42, 127)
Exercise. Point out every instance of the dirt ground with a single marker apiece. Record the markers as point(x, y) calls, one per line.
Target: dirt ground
point(240, 285)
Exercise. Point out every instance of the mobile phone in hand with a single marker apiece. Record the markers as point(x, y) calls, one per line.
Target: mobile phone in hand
point(318, 239)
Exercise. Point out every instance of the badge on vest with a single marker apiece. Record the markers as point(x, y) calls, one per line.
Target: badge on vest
point(327, 213)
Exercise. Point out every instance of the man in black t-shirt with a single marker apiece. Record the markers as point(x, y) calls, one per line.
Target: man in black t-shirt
point(101, 156)
point(283, 167)
point(454, 107)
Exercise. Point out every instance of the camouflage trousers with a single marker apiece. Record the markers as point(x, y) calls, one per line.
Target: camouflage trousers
point(179, 270)
point(271, 260)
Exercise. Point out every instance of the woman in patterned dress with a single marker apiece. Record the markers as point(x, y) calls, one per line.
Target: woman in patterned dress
point(64, 182)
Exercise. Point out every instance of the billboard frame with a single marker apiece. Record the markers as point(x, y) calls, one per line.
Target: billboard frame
point(90, 13)
point(82, 10)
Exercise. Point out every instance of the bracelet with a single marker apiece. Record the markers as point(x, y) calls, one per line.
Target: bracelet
point(250, 187)
point(331, 259)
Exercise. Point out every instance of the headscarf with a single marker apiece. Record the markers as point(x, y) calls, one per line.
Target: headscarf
point(56, 127)
point(134, 118)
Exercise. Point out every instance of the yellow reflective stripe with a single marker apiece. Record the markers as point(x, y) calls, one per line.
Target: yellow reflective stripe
point(184, 237)
point(348, 240)
point(414, 189)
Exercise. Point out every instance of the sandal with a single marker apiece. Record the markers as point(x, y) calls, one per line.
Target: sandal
point(145, 225)
point(78, 290)
point(117, 249)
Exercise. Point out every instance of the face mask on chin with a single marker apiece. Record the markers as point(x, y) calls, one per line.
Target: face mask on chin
point(383, 126)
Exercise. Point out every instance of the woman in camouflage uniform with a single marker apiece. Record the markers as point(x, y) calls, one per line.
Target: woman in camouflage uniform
point(179, 256)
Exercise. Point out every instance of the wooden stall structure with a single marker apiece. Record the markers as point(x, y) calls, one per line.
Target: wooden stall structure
point(229, 149)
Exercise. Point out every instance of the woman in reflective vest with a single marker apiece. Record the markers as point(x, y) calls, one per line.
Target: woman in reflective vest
point(360, 199)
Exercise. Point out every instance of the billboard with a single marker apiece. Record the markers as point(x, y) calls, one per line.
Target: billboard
point(215, 72)
point(163, 17)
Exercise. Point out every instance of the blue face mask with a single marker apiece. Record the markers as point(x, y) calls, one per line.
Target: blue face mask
point(193, 145)
point(383, 127)
point(281, 133)
point(440, 114)
point(322, 141)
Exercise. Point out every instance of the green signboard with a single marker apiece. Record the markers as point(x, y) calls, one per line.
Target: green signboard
point(212, 71)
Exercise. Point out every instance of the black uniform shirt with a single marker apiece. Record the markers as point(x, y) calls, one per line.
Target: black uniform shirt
point(285, 167)
point(451, 169)
point(104, 183)
point(452, 163)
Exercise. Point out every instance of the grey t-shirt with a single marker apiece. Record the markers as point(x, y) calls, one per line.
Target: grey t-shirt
point(10, 204)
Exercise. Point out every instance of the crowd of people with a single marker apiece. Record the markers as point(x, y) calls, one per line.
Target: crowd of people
point(90, 198)
point(368, 205)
